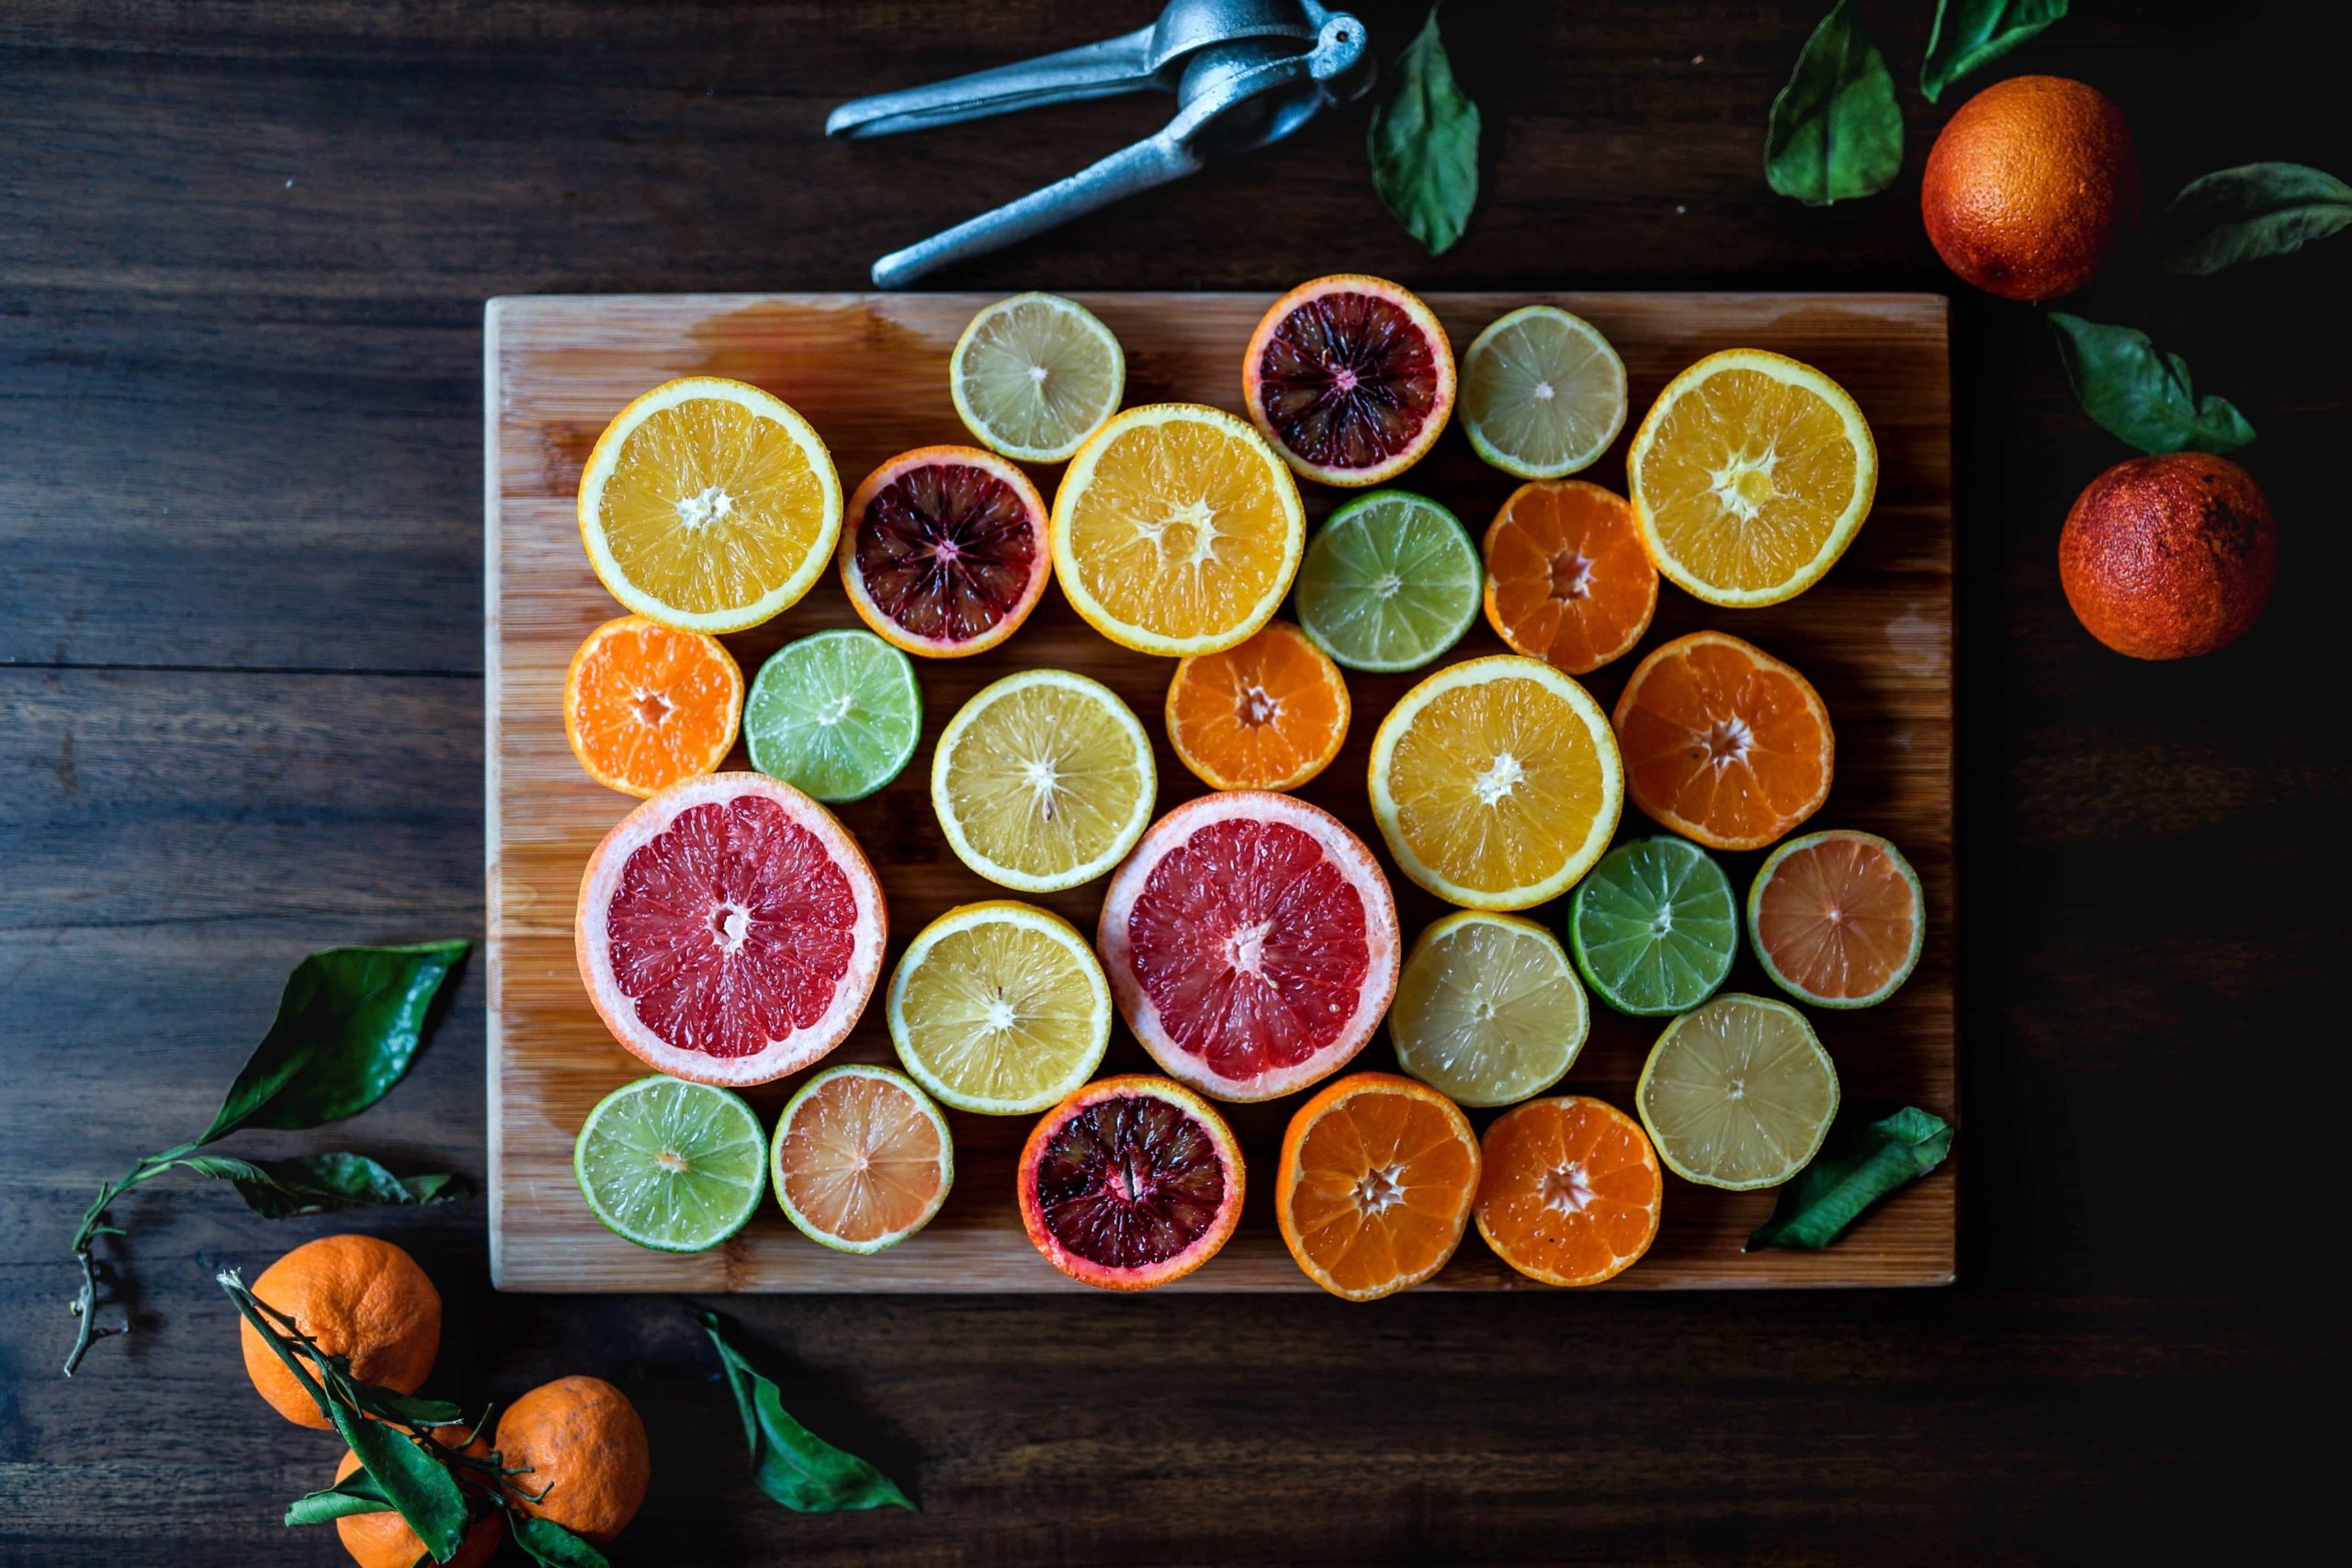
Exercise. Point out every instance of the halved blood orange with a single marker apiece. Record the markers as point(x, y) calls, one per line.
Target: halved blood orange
point(1837, 919)
point(1570, 1190)
point(729, 929)
point(1375, 1184)
point(645, 707)
point(1250, 942)
point(945, 551)
point(1350, 378)
point(1567, 578)
point(1722, 743)
point(1130, 1182)
point(1266, 714)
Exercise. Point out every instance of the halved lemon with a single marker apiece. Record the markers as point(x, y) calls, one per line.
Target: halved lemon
point(1749, 477)
point(1042, 781)
point(1034, 376)
point(999, 1009)
point(1488, 1010)
point(1496, 782)
point(1737, 1093)
point(1177, 530)
point(709, 505)
point(1542, 393)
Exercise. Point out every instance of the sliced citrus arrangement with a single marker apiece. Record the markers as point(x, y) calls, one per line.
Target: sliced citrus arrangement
point(1542, 393)
point(1035, 375)
point(1749, 477)
point(709, 505)
point(645, 707)
point(1488, 1010)
point(999, 1007)
point(1266, 714)
point(1738, 1093)
point(1351, 377)
point(1567, 578)
point(862, 1158)
point(1042, 781)
point(730, 931)
point(1570, 1192)
point(675, 1166)
point(1837, 919)
point(836, 713)
point(1653, 926)
point(1496, 783)
point(1177, 530)
point(944, 552)
point(1130, 1182)
point(1250, 942)
point(1723, 743)
point(1389, 582)
point(1374, 1186)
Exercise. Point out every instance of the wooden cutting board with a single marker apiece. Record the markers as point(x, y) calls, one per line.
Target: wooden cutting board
point(871, 372)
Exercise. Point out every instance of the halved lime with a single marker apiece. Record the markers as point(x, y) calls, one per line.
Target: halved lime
point(1034, 376)
point(836, 713)
point(1389, 582)
point(1542, 393)
point(1487, 1012)
point(1653, 926)
point(670, 1165)
point(1737, 1093)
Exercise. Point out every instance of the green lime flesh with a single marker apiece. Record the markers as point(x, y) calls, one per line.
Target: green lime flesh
point(673, 1166)
point(1653, 926)
point(1389, 582)
point(836, 713)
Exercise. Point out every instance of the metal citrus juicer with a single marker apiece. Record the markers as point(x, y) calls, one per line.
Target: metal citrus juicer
point(1245, 74)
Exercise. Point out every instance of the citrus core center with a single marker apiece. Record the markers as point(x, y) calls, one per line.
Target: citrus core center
point(1567, 1189)
point(1571, 574)
point(711, 504)
point(1497, 778)
point(1727, 741)
point(1380, 1188)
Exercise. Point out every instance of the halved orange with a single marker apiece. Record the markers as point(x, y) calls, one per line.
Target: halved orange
point(1373, 1191)
point(1269, 714)
point(1722, 743)
point(1570, 1192)
point(646, 708)
point(1567, 578)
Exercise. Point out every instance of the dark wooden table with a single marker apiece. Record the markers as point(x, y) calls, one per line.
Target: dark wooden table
point(242, 255)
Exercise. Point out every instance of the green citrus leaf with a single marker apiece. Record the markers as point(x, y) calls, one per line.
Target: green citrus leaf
point(792, 1464)
point(1424, 145)
point(1857, 1166)
point(312, 1184)
point(348, 1024)
point(1835, 131)
point(2249, 212)
point(355, 1494)
point(1970, 34)
point(547, 1541)
point(2141, 397)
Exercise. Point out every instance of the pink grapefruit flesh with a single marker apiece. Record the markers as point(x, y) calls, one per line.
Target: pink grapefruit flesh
point(1130, 1182)
point(944, 550)
point(1350, 378)
point(1250, 942)
point(729, 929)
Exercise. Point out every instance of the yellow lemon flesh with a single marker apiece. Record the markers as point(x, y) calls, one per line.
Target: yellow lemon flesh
point(1042, 781)
point(999, 1009)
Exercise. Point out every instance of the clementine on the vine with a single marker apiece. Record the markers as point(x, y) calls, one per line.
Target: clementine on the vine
point(384, 1540)
point(357, 1296)
point(581, 1446)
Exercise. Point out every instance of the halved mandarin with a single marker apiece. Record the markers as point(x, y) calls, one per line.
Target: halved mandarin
point(1375, 1184)
point(1567, 580)
point(1722, 743)
point(1269, 714)
point(645, 707)
point(1570, 1191)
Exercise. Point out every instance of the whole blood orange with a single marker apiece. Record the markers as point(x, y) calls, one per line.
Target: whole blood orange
point(943, 552)
point(1374, 1188)
point(1250, 942)
point(1130, 1182)
point(2169, 557)
point(1722, 743)
point(580, 1445)
point(357, 1297)
point(2030, 185)
point(1570, 1191)
point(1350, 378)
point(1568, 579)
point(730, 931)
point(384, 1539)
point(1268, 714)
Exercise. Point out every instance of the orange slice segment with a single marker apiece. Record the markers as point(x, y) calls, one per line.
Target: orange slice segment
point(645, 707)
point(1722, 743)
point(1571, 1191)
point(1568, 580)
point(1375, 1184)
point(1267, 714)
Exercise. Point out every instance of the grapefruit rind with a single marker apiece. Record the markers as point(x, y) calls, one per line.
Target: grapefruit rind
point(1204, 1248)
point(593, 950)
point(904, 1030)
point(1763, 954)
point(1288, 1174)
point(1382, 939)
point(1041, 567)
point(1441, 352)
point(918, 1099)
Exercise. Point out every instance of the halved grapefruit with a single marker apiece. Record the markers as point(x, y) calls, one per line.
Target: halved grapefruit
point(1350, 378)
point(1250, 942)
point(729, 929)
point(1129, 1183)
point(943, 552)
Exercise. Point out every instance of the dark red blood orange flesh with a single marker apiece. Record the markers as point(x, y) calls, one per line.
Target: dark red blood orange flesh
point(1130, 1182)
point(1351, 377)
point(947, 551)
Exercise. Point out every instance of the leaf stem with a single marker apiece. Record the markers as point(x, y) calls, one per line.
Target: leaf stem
point(85, 1305)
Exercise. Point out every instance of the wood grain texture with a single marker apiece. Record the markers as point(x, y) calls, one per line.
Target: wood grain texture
point(870, 373)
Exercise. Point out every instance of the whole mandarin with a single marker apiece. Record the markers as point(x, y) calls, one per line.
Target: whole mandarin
point(358, 1296)
point(586, 1449)
point(2030, 185)
point(384, 1540)
point(2169, 557)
